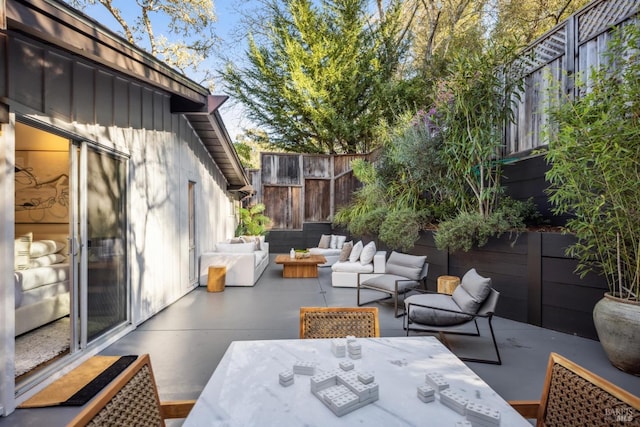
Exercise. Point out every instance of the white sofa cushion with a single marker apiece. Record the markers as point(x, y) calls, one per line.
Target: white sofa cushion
point(257, 240)
point(236, 248)
point(324, 252)
point(352, 267)
point(356, 251)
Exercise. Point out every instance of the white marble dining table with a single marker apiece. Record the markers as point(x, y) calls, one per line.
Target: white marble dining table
point(245, 389)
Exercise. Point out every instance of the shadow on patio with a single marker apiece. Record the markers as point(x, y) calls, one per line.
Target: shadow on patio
point(187, 340)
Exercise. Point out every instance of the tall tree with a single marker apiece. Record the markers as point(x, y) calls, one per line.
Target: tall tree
point(322, 77)
point(523, 21)
point(439, 25)
point(187, 39)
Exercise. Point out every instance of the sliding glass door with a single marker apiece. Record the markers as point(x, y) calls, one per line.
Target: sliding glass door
point(106, 230)
point(71, 215)
point(102, 302)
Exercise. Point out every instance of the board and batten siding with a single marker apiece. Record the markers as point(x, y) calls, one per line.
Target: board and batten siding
point(86, 101)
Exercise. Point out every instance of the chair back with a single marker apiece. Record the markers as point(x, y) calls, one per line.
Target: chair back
point(488, 307)
point(338, 322)
point(574, 396)
point(424, 271)
point(130, 399)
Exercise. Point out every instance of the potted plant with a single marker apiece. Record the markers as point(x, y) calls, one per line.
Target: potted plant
point(594, 153)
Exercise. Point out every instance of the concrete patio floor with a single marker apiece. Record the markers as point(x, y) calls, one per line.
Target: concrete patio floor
point(187, 340)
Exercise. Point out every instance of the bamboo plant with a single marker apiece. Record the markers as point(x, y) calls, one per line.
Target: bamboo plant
point(594, 153)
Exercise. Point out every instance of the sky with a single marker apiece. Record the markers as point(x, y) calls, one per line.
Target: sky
point(229, 15)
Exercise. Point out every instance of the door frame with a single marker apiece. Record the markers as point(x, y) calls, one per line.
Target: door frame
point(12, 394)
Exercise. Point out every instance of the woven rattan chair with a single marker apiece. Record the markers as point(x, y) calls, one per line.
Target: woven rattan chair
point(338, 322)
point(573, 396)
point(131, 400)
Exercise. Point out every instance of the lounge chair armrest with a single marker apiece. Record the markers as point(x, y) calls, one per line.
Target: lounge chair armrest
point(526, 408)
point(176, 408)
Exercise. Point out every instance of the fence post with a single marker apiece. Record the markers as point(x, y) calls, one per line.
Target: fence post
point(570, 57)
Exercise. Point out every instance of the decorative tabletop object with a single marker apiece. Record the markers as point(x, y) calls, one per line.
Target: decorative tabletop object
point(302, 253)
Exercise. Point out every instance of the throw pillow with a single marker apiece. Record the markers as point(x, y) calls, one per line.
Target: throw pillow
point(43, 261)
point(333, 244)
point(21, 251)
point(366, 257)
point(252, 239)
point(45, 247)
point(477, 287)
point(325, 239)
point(466, 303)
point(340, 241)
point(345, 251)
point(356, 251)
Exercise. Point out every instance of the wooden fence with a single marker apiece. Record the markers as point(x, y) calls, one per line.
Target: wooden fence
point(301, 188)
point(555, 59)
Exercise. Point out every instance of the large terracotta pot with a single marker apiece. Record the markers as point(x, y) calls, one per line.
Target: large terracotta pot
point(617, 322)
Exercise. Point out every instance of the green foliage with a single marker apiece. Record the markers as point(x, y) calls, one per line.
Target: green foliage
point(400, 229)
point(322, 77)
point(411, 166)
point(526, 20)
point(594, 152)
point(367, 223)
point(469, 229)
point(519, 213)
point(367, 210)
point(405, 189)
point(474, 102)
point(249, 144)
point(252, 221)
point(244, 152)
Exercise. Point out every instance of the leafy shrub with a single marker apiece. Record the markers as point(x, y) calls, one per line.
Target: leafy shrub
point(470, 229)
point(518, 213)
point(400, 229)
point(367, 223)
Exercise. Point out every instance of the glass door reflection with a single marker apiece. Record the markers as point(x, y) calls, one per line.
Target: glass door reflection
point(106, 285)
